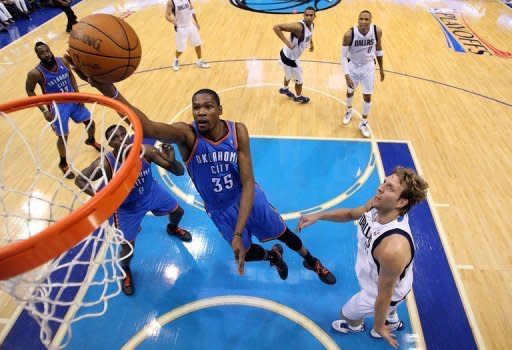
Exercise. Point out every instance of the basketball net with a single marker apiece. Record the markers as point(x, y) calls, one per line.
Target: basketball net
point(35, 195)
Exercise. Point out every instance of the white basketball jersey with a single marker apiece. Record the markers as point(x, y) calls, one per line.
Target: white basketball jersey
point(183, 13)
point(369, 235)
point(362, 48)
point(300, 45)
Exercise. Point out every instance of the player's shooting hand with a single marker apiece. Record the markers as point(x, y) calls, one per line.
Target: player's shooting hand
point(239, 251)
point(382, 75)
point(306, 220)
point(311, 48)
point(388, 335)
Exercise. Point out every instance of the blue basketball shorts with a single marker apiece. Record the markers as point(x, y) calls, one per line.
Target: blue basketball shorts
point(75, 111)
point(159, 201)
point(264, 221)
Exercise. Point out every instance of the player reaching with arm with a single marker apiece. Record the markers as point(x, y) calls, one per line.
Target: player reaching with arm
point(385, 253)
point(146, 196)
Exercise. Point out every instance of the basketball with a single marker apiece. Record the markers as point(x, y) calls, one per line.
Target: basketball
point(105, 48)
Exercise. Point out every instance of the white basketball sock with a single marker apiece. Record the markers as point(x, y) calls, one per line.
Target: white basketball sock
point(366, 107)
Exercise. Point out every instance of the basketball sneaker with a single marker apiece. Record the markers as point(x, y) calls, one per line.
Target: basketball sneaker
point(66, 170)
point(175, 65)
point(363, 127)
point(182, 234)
point(347, 117)
point(275, 257)
point(127, 284)
point(286, 92)
point(202, 64)
point(393, 326)
point(91, 142)
point(301, 99)
point(343, 327)
point(325, 275)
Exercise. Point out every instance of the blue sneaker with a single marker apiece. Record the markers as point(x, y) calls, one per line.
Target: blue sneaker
point(393, 326)
point(286, 92)
point(343, 327)
point(301, 99)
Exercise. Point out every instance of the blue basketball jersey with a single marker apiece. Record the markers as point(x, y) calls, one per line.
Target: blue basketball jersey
point(141, 192)
point(213, 168)
point(56, 81)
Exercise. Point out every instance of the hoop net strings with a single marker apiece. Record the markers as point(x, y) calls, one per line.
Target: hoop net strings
point(79, 283)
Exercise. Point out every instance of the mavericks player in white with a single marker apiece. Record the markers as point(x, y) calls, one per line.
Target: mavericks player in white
point(181, 13)
point(361, 44)
point(301, 36)
point(385, 253)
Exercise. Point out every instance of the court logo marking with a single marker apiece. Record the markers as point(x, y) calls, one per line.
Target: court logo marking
point(460, 37)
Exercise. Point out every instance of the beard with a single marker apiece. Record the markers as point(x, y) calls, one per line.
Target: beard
point(49, 63)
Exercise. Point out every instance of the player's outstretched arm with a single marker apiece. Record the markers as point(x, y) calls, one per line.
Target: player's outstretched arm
point(92, 173)
point(170, 133)
point(337, 215)
point(164, 158)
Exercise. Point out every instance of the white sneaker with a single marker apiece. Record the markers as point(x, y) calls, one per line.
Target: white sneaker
point(176, 65)
point(363, 127)
point(348, 117)
point(395, 326)
point(202, 64)
point(343, 327)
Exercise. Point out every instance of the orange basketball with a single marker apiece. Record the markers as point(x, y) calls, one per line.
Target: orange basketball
point(105, 48)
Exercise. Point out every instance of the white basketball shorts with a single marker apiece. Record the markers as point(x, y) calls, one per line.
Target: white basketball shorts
point(189, 33)
point(293, 73)
point(364, 75)
point(361, 305)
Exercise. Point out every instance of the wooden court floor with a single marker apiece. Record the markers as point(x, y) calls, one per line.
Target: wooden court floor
point(455, 109)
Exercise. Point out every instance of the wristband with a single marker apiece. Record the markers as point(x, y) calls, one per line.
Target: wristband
point(239, 234)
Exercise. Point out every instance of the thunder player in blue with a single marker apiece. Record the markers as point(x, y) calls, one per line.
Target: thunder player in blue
point(53, 74)
point(146, 196)
point(219, 163)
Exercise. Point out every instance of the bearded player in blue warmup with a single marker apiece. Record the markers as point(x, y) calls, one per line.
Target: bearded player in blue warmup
point(53, 74)
point(219, 163)
point(146, 196)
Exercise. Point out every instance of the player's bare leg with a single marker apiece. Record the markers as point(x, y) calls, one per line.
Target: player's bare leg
point(298, 92)
point(285, 90)
point(363, 125)
point(63, 164)
point(90, 126)
point(174, 229)
point(200, 63)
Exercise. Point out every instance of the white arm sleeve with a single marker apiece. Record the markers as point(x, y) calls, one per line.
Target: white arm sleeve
point(344, 58)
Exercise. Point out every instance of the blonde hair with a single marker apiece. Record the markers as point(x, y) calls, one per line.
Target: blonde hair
point(415, 187)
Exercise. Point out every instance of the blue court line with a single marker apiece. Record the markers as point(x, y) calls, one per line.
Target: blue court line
point(441, 312)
